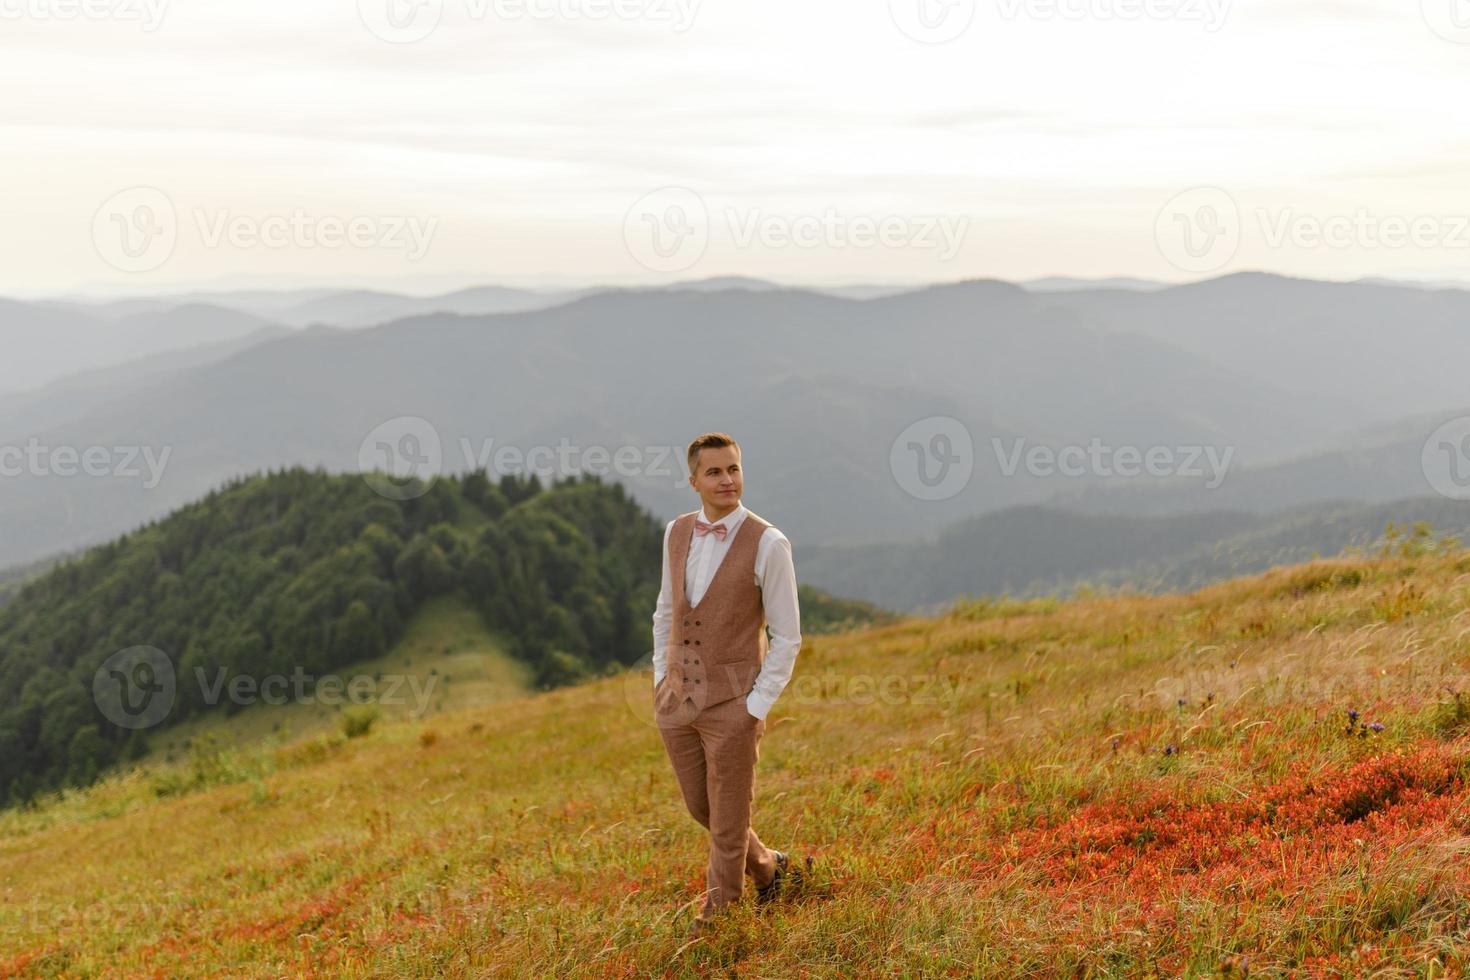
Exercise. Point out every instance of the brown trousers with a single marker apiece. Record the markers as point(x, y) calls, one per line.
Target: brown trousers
point(714, 758)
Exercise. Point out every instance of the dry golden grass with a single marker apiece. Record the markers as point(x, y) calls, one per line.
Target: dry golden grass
point(1104, 786)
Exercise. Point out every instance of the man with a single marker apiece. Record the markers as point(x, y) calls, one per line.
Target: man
point(727, 574)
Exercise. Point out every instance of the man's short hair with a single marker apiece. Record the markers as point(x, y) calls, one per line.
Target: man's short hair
point(710, 440)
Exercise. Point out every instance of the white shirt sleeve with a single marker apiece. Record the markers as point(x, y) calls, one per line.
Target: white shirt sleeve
point(663, 616)
point(783, 617)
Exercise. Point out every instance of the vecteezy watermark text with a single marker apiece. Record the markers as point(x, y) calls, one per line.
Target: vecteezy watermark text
point(934, 459)
point(1446, 459)
point(137, 230)
point(1097, 459)
point(1447, 18)
point(1201, 229)
point(303, 688)
point(402, 457)
point(1363, 229)
point(137, 688)
point(669, 230)
point(941, 233)
point(940, 21)
point(409, 234)
point(570, 459)
point(407, 21)
point(1209, 13)
point(147, 13)
point(35, 459)
point(934, 692)
point(840, 688)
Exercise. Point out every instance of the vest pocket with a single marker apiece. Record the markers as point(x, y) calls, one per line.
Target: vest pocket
point(732, 654)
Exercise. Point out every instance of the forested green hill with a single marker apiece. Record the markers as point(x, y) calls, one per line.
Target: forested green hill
point(298, 569)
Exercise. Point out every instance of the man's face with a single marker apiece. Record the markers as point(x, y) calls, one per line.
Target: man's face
point(718, 478)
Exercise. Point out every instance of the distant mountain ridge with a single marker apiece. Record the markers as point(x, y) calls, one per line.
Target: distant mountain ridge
point(354, 308)
point(1034, 550)
point(43, 343)
point(76, 395)
point(832, 384)
point(831, 387)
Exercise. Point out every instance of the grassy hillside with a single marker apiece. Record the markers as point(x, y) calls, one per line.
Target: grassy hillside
point(1269, 775)
point(447, 658)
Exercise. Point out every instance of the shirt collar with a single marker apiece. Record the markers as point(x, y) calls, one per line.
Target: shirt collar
point(731, 520)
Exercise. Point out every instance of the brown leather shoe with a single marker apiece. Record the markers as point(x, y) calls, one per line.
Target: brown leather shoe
point(785, 878)
point(697, 928)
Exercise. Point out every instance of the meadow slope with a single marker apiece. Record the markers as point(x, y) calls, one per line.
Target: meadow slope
point(1269, 776)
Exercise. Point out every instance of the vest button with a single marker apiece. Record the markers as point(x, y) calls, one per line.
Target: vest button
point(686, 643)
point(696, 623)
point(686, 622)
point(696, 642)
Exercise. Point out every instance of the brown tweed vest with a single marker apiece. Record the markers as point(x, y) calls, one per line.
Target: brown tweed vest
point(717, 648)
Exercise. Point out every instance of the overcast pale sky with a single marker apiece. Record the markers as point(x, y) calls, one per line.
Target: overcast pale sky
point(150, 145)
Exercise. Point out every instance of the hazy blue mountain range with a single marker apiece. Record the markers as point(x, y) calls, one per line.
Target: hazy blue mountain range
point(818, 386)
point(1380, 463)
point(1381, 345)
point(1034, 550)
point(23, 413)
point(44, 342)
point(373, 307)
point(826, 385)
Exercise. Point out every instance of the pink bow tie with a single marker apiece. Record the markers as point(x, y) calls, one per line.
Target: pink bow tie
point(701, 529)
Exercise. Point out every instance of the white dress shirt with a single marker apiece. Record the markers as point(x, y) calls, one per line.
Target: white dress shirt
point(775, 576)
